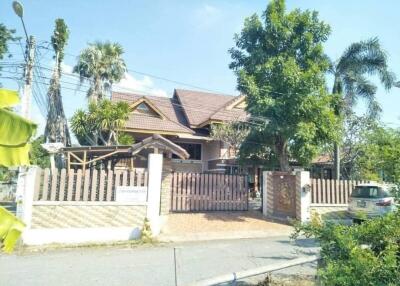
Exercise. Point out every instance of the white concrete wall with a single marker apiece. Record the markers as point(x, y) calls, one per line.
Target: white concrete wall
point(105, 221)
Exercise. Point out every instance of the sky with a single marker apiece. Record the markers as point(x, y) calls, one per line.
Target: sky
point(187, 42)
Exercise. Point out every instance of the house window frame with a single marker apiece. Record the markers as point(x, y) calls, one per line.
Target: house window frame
point(190, 159)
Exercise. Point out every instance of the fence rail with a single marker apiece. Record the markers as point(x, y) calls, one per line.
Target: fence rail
point(325, 191)
point(208, 192)
point(92, 185)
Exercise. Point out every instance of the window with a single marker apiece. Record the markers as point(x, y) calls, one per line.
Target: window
point(368, 192)
point(193, 149)
point(143, 108)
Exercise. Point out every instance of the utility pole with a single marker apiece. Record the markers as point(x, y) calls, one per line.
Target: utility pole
point(28, 75)
point(29, 58)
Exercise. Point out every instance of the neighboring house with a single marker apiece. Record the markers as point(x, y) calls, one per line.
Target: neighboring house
point(185, 120)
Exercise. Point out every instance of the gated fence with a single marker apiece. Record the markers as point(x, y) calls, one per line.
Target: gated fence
point(191, 192)
point(92, 185)
point(332, 191)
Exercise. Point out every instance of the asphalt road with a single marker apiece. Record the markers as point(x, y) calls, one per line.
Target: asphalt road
point(148, 265)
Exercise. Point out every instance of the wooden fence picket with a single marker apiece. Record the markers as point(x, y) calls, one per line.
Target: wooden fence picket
point(325, 191)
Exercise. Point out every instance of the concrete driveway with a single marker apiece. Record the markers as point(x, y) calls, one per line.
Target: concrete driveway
point(148, 265)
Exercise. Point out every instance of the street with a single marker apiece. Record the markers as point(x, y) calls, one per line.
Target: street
point(148, 265)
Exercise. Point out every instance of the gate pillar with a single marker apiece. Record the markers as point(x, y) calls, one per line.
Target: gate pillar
point(287, 195)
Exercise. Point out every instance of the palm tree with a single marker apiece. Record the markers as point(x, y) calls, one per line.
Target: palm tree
point(56, 124)
point(351, 71)
point(101, 123)
point(101, 65)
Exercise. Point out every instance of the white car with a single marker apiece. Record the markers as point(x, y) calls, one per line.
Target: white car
point(370, 200)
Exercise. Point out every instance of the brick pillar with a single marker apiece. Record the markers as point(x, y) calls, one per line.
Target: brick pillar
point(166, 181)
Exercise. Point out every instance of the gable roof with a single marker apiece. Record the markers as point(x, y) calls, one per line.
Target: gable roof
point(199, 106)
point(185, 110)
point(171, 122)
point(144, 100)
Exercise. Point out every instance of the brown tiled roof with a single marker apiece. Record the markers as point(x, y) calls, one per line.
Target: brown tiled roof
point(187, 109)
point(200, 106)
point(230, 114)
point(174, 122)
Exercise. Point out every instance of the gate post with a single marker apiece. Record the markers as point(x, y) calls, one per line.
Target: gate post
point(24, 194)
point(166, 183)
point(303, 196)
point(155, 162)
point(267, 197)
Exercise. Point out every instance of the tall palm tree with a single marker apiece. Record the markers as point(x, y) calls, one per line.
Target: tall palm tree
point(351, 71)
point(101, 64)
point(56, 124)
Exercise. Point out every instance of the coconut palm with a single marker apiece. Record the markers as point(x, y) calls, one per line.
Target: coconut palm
point(351, 82)
point(101, 65)
point(56, 124)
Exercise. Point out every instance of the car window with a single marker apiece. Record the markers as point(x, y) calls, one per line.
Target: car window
point(368, 192)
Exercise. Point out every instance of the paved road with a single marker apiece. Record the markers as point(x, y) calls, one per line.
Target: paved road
point(147, 265)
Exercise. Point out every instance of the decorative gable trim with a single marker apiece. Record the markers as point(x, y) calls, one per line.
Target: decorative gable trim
point(237, 101)
point(134, 105)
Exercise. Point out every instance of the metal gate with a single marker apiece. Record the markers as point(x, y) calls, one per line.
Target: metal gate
point(196, 192)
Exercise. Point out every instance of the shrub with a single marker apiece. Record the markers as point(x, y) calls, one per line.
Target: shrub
point(357, 255)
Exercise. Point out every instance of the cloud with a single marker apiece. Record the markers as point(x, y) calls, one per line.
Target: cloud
point(207, 16)
point(67, 69)
point(140, 86)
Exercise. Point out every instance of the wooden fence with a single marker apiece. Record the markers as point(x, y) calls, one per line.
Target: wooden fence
point(93, 185)
point(332, 191)
point(193, 192)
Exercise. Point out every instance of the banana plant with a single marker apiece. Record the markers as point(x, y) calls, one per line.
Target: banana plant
point(10, 230)
point(15, 132)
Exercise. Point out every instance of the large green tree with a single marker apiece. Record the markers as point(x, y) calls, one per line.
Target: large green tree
point(280, 66)
point(101, 123)
point(56, 124)
point(351, 82)
point(100, 64)
point(380, 159)
point(6, 35)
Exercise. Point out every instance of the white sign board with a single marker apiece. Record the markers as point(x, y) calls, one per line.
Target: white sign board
point(131, 194)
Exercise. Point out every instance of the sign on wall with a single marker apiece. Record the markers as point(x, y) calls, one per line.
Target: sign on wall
point(131, 194)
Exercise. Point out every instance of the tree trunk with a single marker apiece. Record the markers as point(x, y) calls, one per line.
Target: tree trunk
point(336, 145)
point(283, 156)
point(336, 161)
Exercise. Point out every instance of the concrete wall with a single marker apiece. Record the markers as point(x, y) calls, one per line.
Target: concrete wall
point(84, 222)
point(86, 215)
point(211, 150)
point(59, 221)
point(186, 166)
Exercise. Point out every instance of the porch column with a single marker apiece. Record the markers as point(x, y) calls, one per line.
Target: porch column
point(155, 162)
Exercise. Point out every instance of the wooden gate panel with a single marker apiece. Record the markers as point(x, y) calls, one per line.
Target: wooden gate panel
point(193, 192)
point(284, 194)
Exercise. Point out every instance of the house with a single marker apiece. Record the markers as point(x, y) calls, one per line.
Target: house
point(185, 120)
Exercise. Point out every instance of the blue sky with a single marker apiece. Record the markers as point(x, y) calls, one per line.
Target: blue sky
point(187, 41)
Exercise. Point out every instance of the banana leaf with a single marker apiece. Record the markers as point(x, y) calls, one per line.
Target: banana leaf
point(14, 129)
point(10, 230)
point(8, 98)
point(15, 132)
